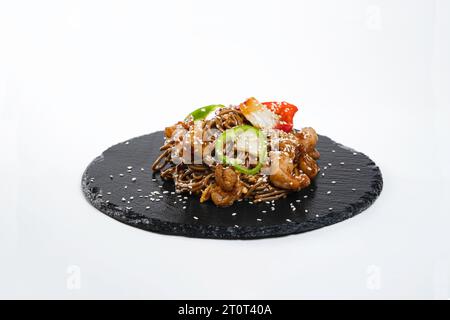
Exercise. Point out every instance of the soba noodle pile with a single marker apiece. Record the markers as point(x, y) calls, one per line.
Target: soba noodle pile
point(290, 166)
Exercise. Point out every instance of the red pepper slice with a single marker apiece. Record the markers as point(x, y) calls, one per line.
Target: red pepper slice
point(286, 111)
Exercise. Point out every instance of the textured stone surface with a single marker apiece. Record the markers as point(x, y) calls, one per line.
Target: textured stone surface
point(120, 184)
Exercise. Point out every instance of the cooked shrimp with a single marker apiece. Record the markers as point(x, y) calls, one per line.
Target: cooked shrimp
point(307, 139)
point(308, 165)
point(228, 188)
point(283, 176)
point(223, 198)
point(226, 178)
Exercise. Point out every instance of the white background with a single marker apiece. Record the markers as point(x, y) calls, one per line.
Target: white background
point(79, 76)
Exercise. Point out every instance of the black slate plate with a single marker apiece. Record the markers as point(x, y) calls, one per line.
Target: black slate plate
point(120, 183)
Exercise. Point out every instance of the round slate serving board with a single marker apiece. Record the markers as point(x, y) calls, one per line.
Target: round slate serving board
point(121, 184)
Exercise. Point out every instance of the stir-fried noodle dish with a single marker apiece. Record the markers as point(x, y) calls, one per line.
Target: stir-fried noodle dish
point(249, 151)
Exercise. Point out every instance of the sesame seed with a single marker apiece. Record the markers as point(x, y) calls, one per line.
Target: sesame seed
point(264, 211)
point(298, 201)
point(111, 177)
point(353, 189)
point(328, 192)
point(333, 182)
point(331, 209)
point(305, 196)
point(108, 193)
point(342, 163)
point(123, 199)
point(184, 208)
point(233, 214)
point(236, 226)
point(306, 210)
point(131, 198)
point(125, 187)
point(129, 167)
point(146, 208)
point(133, 179)
point(142, 169)
point(288, 220)
point(358, 169)
point(139, 190)
point(259, 220)
point(120, 174)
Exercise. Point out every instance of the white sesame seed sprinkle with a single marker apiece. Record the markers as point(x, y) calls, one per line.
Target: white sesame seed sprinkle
point(234, 214)
point(196, 218)
point(133, 179)
point(328, 192)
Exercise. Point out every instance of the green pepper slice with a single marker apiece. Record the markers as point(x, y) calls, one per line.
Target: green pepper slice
point(232, 134)
point(203, 112)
